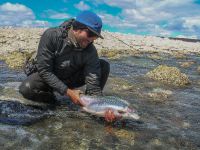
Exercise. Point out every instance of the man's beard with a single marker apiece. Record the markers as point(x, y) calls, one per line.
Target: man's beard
point(83, 43)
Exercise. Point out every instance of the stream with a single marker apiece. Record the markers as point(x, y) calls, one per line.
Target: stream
point(169, 120)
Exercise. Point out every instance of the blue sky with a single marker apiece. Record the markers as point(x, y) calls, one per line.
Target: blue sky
point(174, 18)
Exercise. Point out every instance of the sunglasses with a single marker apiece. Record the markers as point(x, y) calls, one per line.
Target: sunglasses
point(90, 33)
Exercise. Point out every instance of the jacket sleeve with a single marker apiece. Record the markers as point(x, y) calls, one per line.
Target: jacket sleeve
point(93, 73)
point(45, 61)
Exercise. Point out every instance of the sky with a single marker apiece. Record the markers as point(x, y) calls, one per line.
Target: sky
point(168, 18)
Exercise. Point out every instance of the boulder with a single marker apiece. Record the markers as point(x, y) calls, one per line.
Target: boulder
point(169, 75)
point(16, 59)
point(187, 64)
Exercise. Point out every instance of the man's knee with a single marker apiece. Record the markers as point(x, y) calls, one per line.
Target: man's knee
point(25, 89)
point(105, 66)
point(29, 91)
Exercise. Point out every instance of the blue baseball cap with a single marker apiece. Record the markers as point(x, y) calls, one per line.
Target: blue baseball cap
point(92, 21)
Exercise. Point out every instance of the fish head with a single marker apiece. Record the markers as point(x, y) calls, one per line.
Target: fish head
point(128, 113)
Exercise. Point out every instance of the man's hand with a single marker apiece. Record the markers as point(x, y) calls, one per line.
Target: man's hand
point(110, 116)
point(74, 95)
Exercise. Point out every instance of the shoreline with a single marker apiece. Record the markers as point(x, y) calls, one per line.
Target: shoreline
point(27, 39)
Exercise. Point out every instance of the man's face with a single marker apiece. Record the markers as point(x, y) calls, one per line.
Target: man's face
point(84, 37)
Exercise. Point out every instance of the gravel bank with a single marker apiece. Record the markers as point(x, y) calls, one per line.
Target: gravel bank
point(26, 39)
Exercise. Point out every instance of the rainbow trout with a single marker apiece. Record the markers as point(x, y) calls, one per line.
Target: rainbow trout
point(98, 105)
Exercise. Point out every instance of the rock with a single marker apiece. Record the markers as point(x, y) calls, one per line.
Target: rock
point(16, 60)
point(169, 75)
point(186, 64)
point(2, 57)
point(13, 39)
point(198, 69)
point(116, 53)
point(111, 54)
point(156, 142)
point(118, 85)
point(178, 55)
point(198, 82)
point(186, 125)
point(159, 95)
point(154, 56)
point(125, 135)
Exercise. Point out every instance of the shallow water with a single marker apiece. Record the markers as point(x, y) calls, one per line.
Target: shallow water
point(172, 123)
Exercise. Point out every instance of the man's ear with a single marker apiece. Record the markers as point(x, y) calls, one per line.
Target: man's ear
point(77, 30)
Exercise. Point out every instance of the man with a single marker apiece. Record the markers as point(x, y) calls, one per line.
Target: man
point(67, 59)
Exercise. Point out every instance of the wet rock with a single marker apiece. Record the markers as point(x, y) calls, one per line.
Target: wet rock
point(118, 85)
point(159, 95)
point(178, 55)
point(111, 54)
point(169, 75)
point(118, 53)
point(122, 133)
point(186, 64)
point(186, 125)
point(129, 136)
point(156, 142)
point(58, 125)
point(17, 137)
point(14, 109)
point(198, 69)
point(156, 56)
point(15, 113)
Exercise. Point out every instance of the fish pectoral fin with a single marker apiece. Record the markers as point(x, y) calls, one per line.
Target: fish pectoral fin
point(85, 109)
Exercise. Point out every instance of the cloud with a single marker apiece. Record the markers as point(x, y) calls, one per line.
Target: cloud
point(52, 14)
point(164, 16)
point(18, 15)
point(157, 30)
point(110, 19)
point(59, 16)
point(14, 8)
point(192, 22)
point(118, 3)
point(82, 6)
point(115, 21)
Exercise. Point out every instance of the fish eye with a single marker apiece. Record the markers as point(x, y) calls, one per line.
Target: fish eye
point(121, 112)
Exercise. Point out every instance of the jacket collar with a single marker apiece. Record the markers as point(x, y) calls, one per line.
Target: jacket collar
point(73, 40)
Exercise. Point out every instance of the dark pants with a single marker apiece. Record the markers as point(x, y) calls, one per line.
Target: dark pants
point(34, 88)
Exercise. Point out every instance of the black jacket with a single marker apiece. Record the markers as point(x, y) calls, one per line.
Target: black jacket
point(58, 58)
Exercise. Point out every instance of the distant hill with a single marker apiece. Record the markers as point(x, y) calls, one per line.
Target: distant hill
point(183, 39)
